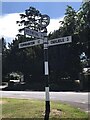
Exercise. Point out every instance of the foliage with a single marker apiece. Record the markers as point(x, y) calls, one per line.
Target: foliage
point(64, 60)
point(31, 19)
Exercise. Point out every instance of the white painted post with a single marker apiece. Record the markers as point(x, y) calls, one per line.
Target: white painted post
point(46, 73)
point(0, 61)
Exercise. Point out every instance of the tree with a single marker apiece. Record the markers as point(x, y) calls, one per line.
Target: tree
point(83, 27)
point(5, 53)
point(64, 60)
point(67, 55)
point(33, 19)
point(76, 24)
point(69, 22)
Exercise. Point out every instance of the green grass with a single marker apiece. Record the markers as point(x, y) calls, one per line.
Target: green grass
point(24, 108)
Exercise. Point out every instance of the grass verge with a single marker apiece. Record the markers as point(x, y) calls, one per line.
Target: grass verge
point(26, 108)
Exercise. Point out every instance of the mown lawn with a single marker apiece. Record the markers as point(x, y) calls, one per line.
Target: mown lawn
point(25, 108)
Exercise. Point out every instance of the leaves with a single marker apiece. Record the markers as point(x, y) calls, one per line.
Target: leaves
point(64, 60)
point(31, 19)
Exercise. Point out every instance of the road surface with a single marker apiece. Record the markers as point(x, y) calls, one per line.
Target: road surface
point(77, 99)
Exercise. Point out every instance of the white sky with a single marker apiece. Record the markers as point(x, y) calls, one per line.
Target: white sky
point(9, 28)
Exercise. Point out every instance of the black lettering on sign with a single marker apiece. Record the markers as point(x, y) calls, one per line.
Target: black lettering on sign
point(67, 39)
point(38, 41)
point(61, 40)
point(32, 32)
point(36, 34)
point(52, 42)
point(25, 44)
point(57, 40)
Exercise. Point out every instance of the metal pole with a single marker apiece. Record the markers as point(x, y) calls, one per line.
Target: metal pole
point(0, 61)
point(46, 73)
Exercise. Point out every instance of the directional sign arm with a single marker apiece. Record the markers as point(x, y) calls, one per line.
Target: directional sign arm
point(34, 33)
point(30, 43)
point(58, 41)
point(52, 42)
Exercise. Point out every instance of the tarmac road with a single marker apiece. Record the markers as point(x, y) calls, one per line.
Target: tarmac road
point(78, 99)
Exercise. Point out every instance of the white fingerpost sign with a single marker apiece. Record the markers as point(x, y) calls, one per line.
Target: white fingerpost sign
point(58, 41)
point(30, 43)
point(33, 33)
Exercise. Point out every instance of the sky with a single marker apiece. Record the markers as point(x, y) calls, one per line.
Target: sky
point(11, 10)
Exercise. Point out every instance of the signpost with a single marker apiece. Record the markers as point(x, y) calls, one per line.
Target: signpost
point(43, 40)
